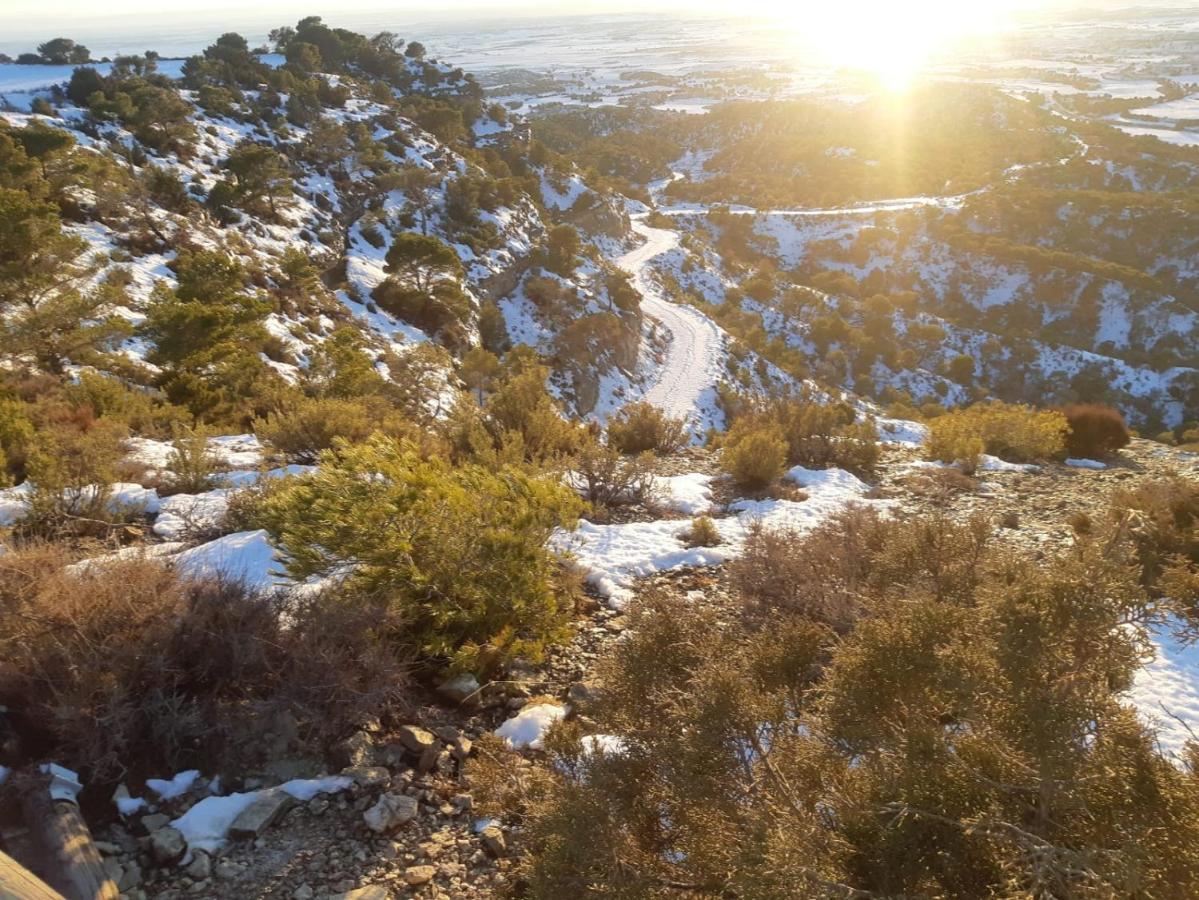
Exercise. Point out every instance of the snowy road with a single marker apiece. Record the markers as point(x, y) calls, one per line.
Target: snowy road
point(686, 382)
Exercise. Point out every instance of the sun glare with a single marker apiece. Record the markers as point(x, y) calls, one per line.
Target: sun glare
point(888, 40)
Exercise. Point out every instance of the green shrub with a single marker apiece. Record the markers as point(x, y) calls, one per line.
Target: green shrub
point(192, 463)
point(311, 425)
point(460, 554)
point(754, 455)
point(641, 427)
point(72, 470)
point(1012, 432)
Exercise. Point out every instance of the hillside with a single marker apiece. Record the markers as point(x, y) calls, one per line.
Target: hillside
point(416, 488)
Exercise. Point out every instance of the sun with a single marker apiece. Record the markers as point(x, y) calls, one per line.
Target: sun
point(888, 40)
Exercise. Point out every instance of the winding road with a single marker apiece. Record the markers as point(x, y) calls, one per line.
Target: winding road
point(695, 356)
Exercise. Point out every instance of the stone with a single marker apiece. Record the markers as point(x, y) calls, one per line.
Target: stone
point(303, 892)
point(416, 740)
point(155, 821)
point(259, 815)
point(226, 868)
point(167, 846)
point(367, 776)
point(356, 750)
point(419, 875)
point(201, 866)
point(494, 841)
point(131, 877)
point(390, 812)
point(370, 892)
point(459, 689)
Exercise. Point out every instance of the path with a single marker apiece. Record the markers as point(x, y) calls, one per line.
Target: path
point(694, 361)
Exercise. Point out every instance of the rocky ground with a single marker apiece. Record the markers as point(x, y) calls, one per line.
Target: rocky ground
point(407, 827)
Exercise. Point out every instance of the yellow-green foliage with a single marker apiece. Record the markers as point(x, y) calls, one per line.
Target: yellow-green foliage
point(942, 746)
point(641, 426)
point(72, 470)
point(309, 425)
point(459, 553)
point(754, 454)
point(1011, 431)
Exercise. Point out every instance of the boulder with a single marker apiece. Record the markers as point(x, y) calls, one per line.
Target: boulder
point(167, 846)
point(390, 812)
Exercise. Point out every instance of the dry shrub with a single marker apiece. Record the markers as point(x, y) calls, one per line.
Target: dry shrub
point(1162, 516)
point(940, 484)
point(1095, 431)
point(607, 479)
point(755, 455)
point(121, 665)
point(702, 533)
point(1013, 432)
point(641, 427)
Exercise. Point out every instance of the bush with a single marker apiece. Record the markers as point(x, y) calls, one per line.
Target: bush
point(702, 533)
point(459, 554)
point(120, 665)
point(606, 478)
point(192, 463)
point(1162, 517)
point(776, 758)
point(72, 467)
point(311, 425)
point(640, 427)
point(754, 455)
point(1012, 432)
point(1095, 431)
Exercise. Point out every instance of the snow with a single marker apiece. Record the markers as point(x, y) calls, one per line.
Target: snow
point(1085, 463)
point(901, 432)
point(606, 744)
point(988, 463)
point(245, 556)
point(616, 555)
point(183, 515)
point(124, 497)
point(173, 788)
point(1166, 687)
point(127, 806)
point(206, 825)
point(690, 494)
point(528, 727)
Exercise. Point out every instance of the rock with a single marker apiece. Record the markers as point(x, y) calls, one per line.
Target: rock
point(459, 689)
point(106, 848)
point(131, 877)
point(583, 693)
point(155, 821)
point(494, 841)
point(201, 866)
point(368, 776)
point(167, 846)
point(390, 812)
point(419, 875)
point(461, 748)
point(356, 750)
point(428, 759)
point(226, 868)
point(259, 815)
point(370, 892)
point(303, 892)
point(416, 740)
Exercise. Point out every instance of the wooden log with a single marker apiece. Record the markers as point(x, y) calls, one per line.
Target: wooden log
point(18, 883)
point(70, 860)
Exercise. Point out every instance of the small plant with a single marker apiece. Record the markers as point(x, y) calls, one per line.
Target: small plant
point(1095, 431)
point(192, 463)
point(754, 455)
point(702, 533)
point(311, 425)
point(641, 427)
